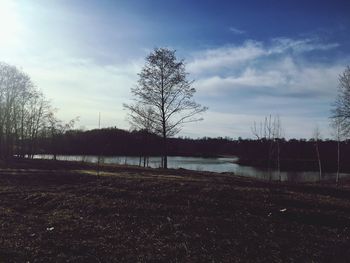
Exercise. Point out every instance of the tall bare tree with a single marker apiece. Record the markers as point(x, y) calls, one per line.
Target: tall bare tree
point(338, 135)
point(340, 112)
point(164, 91)
point(16, 89)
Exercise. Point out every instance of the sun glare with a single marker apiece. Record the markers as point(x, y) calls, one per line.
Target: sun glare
point(9, 23)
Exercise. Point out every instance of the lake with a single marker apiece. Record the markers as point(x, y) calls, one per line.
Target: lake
point(219, 165)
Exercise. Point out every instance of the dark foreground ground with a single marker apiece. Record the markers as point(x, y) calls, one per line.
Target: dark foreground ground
point(135, 215)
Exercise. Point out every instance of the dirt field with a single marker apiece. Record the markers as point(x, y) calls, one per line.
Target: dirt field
point(59, 212)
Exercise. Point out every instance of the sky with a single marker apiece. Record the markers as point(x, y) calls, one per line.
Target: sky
point(248, 59)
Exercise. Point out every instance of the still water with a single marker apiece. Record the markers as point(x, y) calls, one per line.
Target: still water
point(219, 165)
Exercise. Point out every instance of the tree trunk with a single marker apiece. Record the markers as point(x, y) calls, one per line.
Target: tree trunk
point(165, 153)
point(22, 132)
point(165, 150)
point(278, 161)
point(1, 141)
point(319, 161)
point(338, 164)
point(269, 156)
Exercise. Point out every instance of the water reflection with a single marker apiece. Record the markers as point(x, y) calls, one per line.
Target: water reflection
point(218, 165)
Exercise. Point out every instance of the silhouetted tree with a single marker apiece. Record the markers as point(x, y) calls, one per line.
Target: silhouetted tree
point(164, 96)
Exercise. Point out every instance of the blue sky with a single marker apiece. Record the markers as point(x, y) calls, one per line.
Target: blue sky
point(249, 59)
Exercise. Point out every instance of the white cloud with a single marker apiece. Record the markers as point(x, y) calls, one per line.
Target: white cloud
point(236, 30)
point(282, 44)
point(276, 78)
point(272, 69)
point(217, 85)
point(250, 52)
point(223, 57)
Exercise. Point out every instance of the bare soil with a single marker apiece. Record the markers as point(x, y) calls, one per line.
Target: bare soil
point(63, 212)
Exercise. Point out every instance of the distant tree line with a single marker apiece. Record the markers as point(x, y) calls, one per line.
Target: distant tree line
point(113, 141)
point(295, 154)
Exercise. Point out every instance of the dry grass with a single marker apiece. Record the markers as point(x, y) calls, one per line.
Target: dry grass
point(145, 215)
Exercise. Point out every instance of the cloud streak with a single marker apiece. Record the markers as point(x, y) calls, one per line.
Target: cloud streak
point(236, 31)
point(213, 60)
point(276, 78)
point(224, 57)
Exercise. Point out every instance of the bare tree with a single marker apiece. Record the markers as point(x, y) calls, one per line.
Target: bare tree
point(16, 89)
point(341, 106)
point(163, 96)
point(277, 134)
point(340, 112)
point(338, 134)
point(25, 114)
point(263, 131)
point(317, 137)
point(270, 130)
point(143, 122)
point(56, 129)
point(37, 116)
